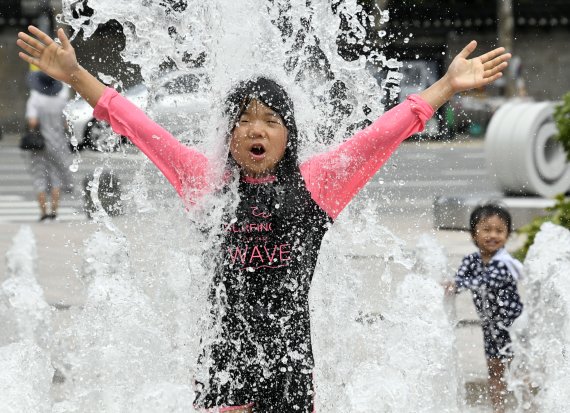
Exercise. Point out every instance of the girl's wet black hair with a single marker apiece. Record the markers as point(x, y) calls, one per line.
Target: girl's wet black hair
point(271, 94)
point(485, 211)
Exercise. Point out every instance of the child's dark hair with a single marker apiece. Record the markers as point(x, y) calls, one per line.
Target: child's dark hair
point(485, 211)
point(271, 94)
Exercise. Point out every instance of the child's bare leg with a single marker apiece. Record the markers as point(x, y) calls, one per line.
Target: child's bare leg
point(244, 410)
point(497, 385)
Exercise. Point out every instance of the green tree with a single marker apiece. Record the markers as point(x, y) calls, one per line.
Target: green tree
point(562, 119)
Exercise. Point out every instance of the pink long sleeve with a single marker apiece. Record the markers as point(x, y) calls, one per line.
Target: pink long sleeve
point(333, 178)
point(185, 168)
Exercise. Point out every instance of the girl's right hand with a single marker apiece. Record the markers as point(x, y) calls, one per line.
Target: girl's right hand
point(55, 59)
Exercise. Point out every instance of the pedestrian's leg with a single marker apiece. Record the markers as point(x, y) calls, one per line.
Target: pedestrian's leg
point(497, 384)
point(61, 175)
point(40, 177)
point(42, 200)
point(54, 201)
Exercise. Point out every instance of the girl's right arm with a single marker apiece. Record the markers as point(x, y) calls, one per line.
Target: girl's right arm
point(185, 168)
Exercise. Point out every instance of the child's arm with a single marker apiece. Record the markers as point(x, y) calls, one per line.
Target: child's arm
point(185, 168)
point(335, 177)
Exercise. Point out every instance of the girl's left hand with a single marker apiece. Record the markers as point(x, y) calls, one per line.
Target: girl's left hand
point(464, 74)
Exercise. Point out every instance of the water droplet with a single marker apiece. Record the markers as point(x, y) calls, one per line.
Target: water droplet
point(74, 167)
point(407, 40)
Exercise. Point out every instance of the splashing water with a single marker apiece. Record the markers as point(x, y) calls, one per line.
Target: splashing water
point(542, 335)
point(118, 343)
point(291, 41)
point(378, 363)
point(25, 378)
point(25, 332)
point(22, 302)
point(74, 167)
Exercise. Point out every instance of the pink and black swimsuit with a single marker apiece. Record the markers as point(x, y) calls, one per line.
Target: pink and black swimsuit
point(269, 250)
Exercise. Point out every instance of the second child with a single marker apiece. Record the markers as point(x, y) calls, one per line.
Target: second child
point(491, 275)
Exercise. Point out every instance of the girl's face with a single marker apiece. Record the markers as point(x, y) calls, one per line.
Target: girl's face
point(258, 140)
point(491, 234)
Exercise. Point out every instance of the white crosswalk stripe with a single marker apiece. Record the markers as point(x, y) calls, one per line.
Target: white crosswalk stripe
point(14, 208)
point(18, 202)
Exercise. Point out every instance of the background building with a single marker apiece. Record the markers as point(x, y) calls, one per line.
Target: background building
point(424, 34)
point(438, 29)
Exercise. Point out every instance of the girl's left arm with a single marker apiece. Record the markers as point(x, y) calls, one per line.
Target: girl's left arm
point(335, 177)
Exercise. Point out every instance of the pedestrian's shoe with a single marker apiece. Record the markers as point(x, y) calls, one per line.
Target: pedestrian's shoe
point(52, 216)
point(44, 217)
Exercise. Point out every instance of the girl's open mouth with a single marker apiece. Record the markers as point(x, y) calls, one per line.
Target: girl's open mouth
point(257, 151)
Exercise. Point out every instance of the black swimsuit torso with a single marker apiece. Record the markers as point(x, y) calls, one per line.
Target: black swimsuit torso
point(268, 255)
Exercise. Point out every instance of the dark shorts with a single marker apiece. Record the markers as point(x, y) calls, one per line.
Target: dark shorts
point(497, 342)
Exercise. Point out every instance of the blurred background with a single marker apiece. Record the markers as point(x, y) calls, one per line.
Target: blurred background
point(423, 35)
